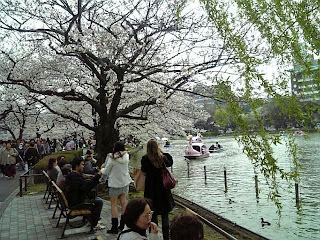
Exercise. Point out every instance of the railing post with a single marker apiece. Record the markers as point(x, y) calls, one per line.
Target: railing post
point(188, 169)
point(297, 193)
point(20, 184)
point(31, 180)
point(256, 185)
point(205, 174)
point(225, 179)
point(25, 184)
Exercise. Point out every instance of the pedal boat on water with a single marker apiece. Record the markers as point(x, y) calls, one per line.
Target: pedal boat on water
point(214, 149)
point(196, 149)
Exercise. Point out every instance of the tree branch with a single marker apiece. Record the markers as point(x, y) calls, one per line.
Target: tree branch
point(124, 112)
point(76, 120)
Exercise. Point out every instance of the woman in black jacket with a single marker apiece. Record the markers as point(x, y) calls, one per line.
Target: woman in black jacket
point(162, 200)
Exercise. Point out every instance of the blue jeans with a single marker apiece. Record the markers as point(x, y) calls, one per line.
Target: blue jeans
point(165, 224)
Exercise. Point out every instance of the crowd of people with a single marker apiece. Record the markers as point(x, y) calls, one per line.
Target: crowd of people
point(22, 154)
point(140, 214)
point(17, 153)
point(139, 217)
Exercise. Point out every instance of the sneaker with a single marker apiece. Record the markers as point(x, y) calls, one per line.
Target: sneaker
point(99, 227)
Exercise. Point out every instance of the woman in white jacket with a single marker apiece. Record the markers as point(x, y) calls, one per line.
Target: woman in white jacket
point(137, 217)
point(117, 172)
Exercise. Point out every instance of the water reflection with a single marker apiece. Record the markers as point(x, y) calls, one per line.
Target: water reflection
point(246, 210)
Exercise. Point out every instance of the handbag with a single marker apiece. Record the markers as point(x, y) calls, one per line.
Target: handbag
point(169, 182)
point(139, 179)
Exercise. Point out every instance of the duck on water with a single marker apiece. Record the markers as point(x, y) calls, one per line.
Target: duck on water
point(264, 223)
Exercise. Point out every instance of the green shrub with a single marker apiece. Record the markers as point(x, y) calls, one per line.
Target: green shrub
point(43, 163)
point(209, 134)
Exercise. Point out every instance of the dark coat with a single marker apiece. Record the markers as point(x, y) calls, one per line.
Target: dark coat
point(162, 200)
point(77, 187)
point(88, 169)
point(32, 156)
point(53, 174)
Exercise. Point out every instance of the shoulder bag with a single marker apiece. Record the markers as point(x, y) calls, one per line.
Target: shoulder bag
point(169, 182)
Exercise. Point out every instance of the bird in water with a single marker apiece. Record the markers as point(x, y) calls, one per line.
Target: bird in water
point(230, 201)
point(264, 223)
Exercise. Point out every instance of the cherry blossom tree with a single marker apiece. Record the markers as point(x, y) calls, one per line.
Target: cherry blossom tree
point(21, 116)
point(117, 66)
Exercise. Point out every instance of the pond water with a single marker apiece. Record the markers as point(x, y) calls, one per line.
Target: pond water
point(246, 210)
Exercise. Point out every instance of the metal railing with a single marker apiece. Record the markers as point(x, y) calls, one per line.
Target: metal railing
point(26, 175)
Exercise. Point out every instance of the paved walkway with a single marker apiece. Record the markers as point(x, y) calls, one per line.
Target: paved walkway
point(8, 190)
point(8, 186)
point(27, 217)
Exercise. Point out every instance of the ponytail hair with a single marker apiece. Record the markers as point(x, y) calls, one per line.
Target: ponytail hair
point(118, 147)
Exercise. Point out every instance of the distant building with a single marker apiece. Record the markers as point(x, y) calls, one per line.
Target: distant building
point(306, 86)
point(208, 104)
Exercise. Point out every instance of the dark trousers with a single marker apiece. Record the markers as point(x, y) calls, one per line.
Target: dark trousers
point(96, 211)
point(165, 224)
point(3, 169)
point(10, 170)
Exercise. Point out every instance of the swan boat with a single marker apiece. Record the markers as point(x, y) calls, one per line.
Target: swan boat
point(299, 133)
point(196, 149)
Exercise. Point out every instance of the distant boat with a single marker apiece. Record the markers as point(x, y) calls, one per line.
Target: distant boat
point(196, 149)
point(214, 149)
point(282, 133)
point(167, 144)
point(299, 133)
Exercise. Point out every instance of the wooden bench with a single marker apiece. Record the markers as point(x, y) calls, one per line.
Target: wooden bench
point(83, 209)
point(49, 190)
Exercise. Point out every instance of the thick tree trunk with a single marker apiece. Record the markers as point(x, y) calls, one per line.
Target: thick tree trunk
point(106, 136)
point(21, 133)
